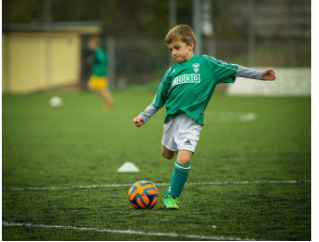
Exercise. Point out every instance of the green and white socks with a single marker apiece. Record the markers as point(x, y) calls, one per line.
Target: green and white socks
point(178, 179)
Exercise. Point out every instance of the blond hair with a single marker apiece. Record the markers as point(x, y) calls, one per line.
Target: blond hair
point(182, 33)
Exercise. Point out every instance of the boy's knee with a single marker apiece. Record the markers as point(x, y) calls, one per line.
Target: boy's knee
point(168, 156)
point(184, 157)
point(184, 160)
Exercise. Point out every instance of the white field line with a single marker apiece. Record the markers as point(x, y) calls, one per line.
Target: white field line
point(161, 184)
point(211, 116)
point(229, 117)
point(192, 236)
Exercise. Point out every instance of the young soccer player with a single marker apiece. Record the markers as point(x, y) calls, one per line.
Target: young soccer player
point(98, 81)
point(186, 89)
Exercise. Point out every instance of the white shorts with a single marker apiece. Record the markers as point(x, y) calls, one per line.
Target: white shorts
point(181, 133)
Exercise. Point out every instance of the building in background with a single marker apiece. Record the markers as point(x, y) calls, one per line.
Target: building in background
point(35, 59)
point(252, 33)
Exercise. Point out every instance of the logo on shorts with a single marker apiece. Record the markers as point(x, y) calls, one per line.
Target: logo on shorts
point(196, 67)
point(188, 142)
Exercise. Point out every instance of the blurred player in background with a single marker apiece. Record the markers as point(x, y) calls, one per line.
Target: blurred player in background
point(186, 89)
point(98, 80)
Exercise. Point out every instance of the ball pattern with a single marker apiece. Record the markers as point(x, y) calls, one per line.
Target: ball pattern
point(143, 195)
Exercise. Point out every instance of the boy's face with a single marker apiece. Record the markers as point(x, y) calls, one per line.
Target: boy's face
point(92, 45)
point(181, 51)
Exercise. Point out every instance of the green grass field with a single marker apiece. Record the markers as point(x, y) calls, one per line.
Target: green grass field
point(81, 144)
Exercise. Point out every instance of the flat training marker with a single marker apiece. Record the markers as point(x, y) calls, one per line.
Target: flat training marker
point(128, 167)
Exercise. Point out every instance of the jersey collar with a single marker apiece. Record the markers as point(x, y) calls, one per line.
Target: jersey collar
point(187, 60)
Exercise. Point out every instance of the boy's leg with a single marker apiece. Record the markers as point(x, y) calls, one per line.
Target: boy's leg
point(107, 97)
point(184, 157)
point(167, 154)
point(180, 134)
point(180, 173)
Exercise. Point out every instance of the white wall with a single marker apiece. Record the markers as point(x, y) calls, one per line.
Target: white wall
point(289, 82)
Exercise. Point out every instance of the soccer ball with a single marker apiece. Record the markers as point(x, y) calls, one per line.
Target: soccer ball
point(55, 102)
point(143, 195)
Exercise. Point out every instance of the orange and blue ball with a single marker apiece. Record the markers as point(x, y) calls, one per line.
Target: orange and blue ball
point(143, 195)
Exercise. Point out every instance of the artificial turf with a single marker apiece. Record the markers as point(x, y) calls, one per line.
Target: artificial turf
point(82, 144)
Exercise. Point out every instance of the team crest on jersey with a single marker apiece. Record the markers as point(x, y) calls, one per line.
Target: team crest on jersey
point(196, 67)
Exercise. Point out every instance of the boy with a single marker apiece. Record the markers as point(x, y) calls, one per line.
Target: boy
point(186, 89)
point(98, 80)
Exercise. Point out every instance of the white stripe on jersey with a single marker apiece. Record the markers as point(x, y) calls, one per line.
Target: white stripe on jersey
point(213, 60)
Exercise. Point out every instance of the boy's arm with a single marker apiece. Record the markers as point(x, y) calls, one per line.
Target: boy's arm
point(142, 118)
point(267, 75)
point(157, 104)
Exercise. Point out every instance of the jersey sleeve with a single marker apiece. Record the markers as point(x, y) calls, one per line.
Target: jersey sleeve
point(162, 91)
point(223, 72)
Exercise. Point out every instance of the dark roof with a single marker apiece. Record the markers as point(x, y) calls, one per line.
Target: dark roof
point(78, 27)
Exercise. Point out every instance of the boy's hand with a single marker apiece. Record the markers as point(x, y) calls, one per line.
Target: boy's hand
point(139, 122)
point(268, 75)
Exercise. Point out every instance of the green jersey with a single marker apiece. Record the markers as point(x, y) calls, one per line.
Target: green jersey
point(187, 87)
point(99, 62)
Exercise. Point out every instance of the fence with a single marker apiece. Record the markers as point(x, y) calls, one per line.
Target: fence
point(135, 61)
